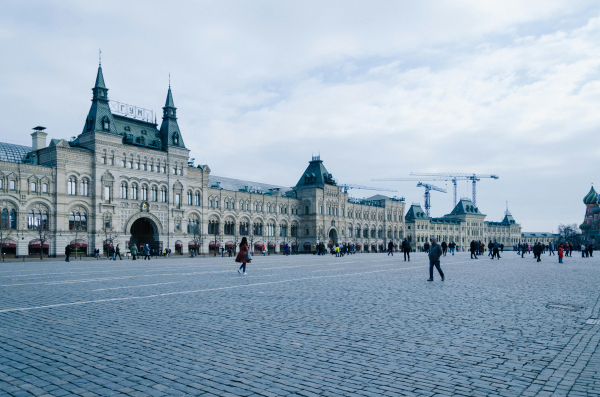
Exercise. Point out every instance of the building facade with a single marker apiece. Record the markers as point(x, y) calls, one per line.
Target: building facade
point(127, 180)
point(590, 228)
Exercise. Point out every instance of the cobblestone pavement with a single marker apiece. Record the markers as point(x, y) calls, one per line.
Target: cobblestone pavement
point(361, 325)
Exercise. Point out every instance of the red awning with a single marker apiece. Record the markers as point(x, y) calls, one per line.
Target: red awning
point(307, 244)
point(9, 244)
point(229, 244)
point(194, 244)
point(80, 244)
point(36, 244)
point(271, 244)
point(178, 244)
point(212, 245)
point(374, 245)
point(359, 245)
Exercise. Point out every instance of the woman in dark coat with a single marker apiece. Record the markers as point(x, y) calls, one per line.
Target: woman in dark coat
point(242, 256)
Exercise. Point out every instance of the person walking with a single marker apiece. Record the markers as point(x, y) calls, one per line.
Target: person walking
point(501, 247)
point(583, 250)
point(435, 252)
point(551, 249)
point(67, 253)
point(491, 249)
point(452, 247)
point(590, 248)
point(390, 248)
point(337, 251)
point(406, 249)
point(134, 251)
point(473, 249)
point(118, 252)
point(560, 253)
point(146, 252)
point(444, 248)
point(495, 249)
point(243, 256)
point(537, 251)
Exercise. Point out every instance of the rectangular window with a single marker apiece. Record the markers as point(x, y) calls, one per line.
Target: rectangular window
point(216, 204)
point(130, 164)
point(33, 186)
point(144, 167)
point(44, 187)
point(123, 163)
point(232, 206)
point(1, 184)
point(306, 210)
point(174, 171)
point(103, 160)
point(107, 194)
point(12, 185)
point(178, 200)
point(181, 171)
point(112, 161)
point(151, 168)
point(164, 170)
point(227, 205)
point(210, 204)
point(137, 166)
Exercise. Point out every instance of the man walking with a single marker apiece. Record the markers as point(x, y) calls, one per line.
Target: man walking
point(406, 249)
point(473, 249)
point(444, 248)
point(452, 247)
point(551, 249)
point(537, 251)
point(491, 249)
point(67, 253)
point(390, 248)
point(435, 252)
point(495, 249)
point(118, 252)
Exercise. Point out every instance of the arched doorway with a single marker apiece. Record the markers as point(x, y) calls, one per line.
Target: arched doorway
point(333, 237)
point(144, 231)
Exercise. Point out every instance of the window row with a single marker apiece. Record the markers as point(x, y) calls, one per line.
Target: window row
point(193, 199)
point(257, 229)
point(141, 193)
point(34, 187)
point(137, 165)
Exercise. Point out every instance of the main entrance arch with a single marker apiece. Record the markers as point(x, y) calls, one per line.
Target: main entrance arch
point(144, 231)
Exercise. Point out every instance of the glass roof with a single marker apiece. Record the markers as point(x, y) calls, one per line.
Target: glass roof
point(13, 153)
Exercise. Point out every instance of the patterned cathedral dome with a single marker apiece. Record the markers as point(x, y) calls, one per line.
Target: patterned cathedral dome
point(596, 210)
point(591, 197)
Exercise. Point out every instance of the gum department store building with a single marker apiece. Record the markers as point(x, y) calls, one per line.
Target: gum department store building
point(125, 180)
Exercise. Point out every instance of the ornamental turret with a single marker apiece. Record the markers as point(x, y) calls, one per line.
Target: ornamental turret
point(100, 118)
point(591, 198)
point(169, 130)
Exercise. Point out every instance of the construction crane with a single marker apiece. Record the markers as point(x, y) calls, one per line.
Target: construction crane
point(454, 177)
point(428, 188)
point(348, 187)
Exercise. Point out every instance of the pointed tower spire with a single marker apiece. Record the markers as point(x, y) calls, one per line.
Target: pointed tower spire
point(100, 117)
point(169, 130)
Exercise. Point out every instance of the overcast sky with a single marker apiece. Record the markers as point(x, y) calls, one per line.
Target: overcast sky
point(379, 89)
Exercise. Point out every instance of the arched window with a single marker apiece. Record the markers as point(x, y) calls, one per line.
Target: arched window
point(229, 228)
point(197, 199)
point(89, 123)
point(123, 190)
point(105, 124)
point(84, 187)
point(144, 193)
point(257, 229)
point(4, 220)
point(213, 227)
point(283, 230)
point(294, 231)
point(189, 198)
point(163, 195)
point(72, 186)
point(154, 194)
point(244, 228)
point(134, 192)
point(77, 221)
point(193, 226)
point(175, 139)
point(13, 219)
point(45, 220)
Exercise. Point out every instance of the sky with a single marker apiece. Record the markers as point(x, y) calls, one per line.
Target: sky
point(378, 89)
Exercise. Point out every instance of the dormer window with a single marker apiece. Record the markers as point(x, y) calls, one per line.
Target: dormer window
point(127, 128)
point(176, 139)
point(89, 123)
point(144, 132)
point(105, 124)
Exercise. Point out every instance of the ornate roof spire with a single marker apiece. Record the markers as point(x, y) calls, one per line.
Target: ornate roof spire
point(169, 129)
point(100, 117)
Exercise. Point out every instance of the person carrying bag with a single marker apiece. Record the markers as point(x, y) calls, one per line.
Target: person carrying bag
point(243, 256)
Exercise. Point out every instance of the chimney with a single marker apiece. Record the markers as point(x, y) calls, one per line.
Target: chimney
point(38, 138)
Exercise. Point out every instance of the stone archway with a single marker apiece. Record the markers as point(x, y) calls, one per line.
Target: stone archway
point(333, 236)
point(144, 231)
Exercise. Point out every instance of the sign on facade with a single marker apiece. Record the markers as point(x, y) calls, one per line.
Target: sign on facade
point(134, 112)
